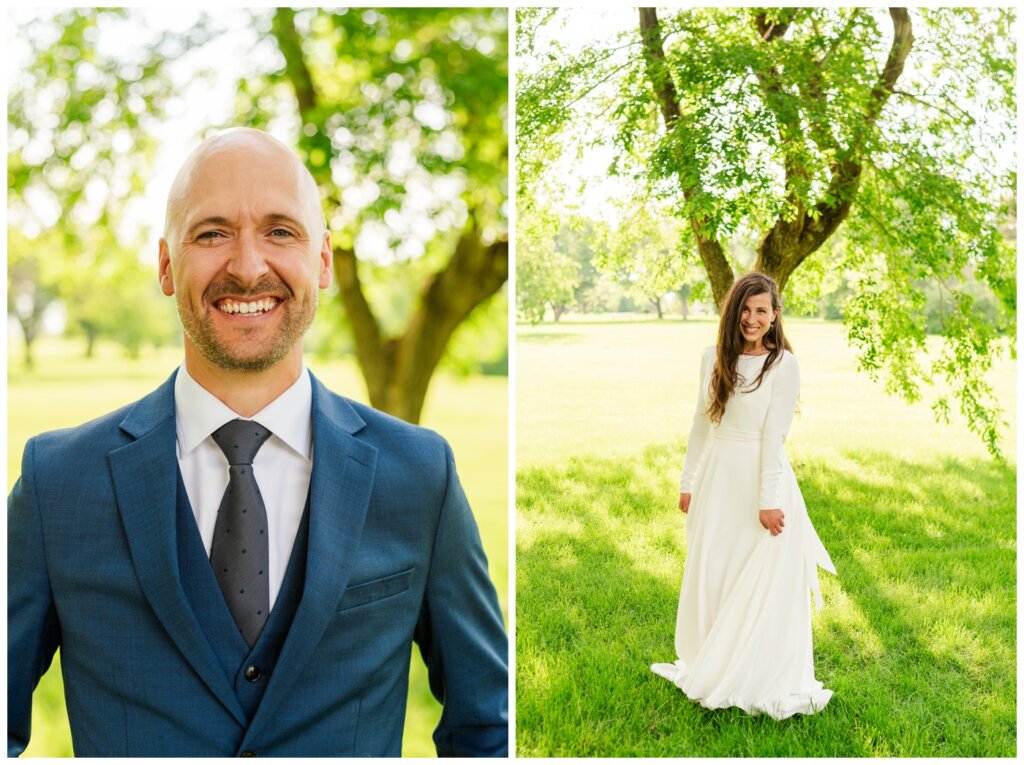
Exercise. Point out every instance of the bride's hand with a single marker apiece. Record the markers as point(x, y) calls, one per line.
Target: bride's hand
point(684, 502)
point(773, 521)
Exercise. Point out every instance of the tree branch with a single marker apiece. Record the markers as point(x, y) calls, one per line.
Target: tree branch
point(711, 254)
point(963, 113)
point(790, 130)
point(290, 45)
point(657, 71)
point(819, 131)
point(839, 38)
point(846, 169)
point(902, 40)
point(600, 81)
point(770, 31)
point(365, 327)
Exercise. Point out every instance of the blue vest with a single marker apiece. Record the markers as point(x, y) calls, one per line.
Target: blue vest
point(248, 670)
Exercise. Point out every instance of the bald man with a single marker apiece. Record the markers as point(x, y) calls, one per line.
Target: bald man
point(239, 563)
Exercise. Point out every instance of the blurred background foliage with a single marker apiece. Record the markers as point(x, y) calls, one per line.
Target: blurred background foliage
point(401, 116)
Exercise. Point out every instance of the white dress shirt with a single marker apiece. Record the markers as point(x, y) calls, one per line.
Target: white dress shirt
point(282, 466)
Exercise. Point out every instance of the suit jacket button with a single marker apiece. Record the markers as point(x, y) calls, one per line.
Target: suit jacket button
point(248, 753)
point(252, 674)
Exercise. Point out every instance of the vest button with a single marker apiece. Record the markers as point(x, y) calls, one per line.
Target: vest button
point(252, 674)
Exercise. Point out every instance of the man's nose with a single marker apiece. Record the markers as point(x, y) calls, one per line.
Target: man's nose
point(248, 262)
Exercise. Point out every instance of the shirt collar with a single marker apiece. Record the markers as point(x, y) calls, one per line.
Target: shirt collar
point(198, 413)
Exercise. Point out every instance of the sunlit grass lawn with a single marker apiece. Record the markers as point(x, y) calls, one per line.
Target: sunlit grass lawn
point(917, 637)
point(66, 390)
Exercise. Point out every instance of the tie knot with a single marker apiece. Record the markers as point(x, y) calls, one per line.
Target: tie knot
point(240, 440)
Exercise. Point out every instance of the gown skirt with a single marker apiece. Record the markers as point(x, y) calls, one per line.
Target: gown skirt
point(743, 628)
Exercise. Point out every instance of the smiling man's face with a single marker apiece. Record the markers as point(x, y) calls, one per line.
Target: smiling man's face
point(244, 252)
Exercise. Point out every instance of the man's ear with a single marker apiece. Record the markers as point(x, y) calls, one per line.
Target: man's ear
point(164, 269)
point(326, 261)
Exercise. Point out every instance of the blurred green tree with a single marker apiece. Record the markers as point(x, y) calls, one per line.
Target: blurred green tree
point(546, 275)
point(896, 125)
point(109, 293)
point(32, 285)
point(557, 266)
point(80, 147)
point(649, 252)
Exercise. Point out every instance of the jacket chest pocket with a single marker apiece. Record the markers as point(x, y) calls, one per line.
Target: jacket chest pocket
point(368, 592)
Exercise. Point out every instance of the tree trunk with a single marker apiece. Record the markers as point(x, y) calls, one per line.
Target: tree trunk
point(557, 309)
point(90, 340)
point(716, 265)
point(684, 301)
point(398, 370)
point(30, 362)
point(656, 301)
point(794, 237)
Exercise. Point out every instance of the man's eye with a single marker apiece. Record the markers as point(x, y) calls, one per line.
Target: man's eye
point(277, 232)
point(209, 235)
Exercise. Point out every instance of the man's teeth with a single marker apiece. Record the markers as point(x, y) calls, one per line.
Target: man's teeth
point(257, 306)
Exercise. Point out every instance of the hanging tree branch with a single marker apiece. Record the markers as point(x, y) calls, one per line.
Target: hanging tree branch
point(846, 170)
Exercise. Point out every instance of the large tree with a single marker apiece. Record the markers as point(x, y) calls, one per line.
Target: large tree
point(871, 141)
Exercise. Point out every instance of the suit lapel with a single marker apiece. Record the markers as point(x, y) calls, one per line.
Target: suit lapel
point(145, 483)
point(340, 486)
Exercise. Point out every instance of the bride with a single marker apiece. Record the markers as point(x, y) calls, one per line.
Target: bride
point(743, 629)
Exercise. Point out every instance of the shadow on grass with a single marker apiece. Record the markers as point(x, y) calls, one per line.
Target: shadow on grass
point(917, 636)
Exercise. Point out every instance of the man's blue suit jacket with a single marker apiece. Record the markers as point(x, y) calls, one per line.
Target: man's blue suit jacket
point(394, 556)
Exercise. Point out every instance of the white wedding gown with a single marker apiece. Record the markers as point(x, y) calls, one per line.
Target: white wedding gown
point(743, 629)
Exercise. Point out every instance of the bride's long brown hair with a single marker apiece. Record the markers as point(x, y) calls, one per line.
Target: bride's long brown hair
point(724, 378)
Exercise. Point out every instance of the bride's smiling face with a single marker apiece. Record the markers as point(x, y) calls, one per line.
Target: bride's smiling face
point(756, 319)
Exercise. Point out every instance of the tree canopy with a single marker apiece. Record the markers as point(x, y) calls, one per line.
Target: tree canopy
point(877, 143)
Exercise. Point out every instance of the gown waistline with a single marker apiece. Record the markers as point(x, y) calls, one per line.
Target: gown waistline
point(734, 434)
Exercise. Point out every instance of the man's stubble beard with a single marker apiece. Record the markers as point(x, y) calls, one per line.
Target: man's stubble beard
point(199, 330)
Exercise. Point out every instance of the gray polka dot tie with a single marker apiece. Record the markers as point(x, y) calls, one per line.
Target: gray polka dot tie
point(240, 550)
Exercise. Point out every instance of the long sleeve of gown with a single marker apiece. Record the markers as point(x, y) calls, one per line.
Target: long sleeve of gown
point(785, 390)
point(700, 428)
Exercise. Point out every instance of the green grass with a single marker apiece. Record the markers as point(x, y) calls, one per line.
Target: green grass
point(917, 637)
point(66, 390)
